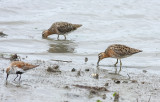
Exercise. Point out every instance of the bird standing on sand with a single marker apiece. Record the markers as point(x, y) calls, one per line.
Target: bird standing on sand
point(18, 67)
point(117, 51)
point(60, 28)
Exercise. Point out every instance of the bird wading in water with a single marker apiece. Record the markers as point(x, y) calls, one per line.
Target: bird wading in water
point(117, 51)
point(60, 28)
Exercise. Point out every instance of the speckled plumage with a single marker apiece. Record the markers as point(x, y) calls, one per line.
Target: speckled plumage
point(60, 28)
point(117, 51)
point(120, 51)
point(18, 67)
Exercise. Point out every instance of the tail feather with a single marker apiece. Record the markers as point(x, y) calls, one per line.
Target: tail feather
point(77, 25)
point(136, 51)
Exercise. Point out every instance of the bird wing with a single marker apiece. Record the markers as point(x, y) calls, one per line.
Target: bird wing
point(27, 67)
point(123, 50)
point(23, 65)
point(65, 28)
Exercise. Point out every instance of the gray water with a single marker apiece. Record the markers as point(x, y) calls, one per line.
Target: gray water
point(134, 23)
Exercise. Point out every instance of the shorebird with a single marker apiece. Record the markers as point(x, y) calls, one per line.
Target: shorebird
point(18, 67)
point(60, 28)
point(117, 51)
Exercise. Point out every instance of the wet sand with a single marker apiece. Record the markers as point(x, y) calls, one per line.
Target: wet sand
point(134, 23)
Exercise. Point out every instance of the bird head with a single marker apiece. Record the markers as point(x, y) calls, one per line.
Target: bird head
point(100, 57)
point(8, 70)
point(45, 34)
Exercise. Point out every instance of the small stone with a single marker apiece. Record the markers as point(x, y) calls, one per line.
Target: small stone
point(96, 76)
point(142, 82)
point(87, 70)
point(54, 68)
point(125, 82)
point(86, 59)
point(117, 81)
point(104, 96)
point(103, 89)
point(93, 92)
point(66, 87)
point(14, 57)
point(144, 71)
point(106, 84)
point(79, 73)
point(73, 70)
point(134, 81)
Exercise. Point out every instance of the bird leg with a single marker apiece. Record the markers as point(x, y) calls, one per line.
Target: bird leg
point(58, 37)
point(120, 65)
point(64, 36)
point(7, 77)
point(116, 63)
point(16, 77)
point(20, 77)
point(115, 70)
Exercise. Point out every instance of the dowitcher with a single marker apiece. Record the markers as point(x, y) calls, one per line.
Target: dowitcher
point(18, 67)
point(60, 28)
point(117, 51)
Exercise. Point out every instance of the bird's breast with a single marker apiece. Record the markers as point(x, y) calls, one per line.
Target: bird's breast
point(16, 70)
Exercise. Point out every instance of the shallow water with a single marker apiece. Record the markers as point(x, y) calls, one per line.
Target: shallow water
point(134, 23)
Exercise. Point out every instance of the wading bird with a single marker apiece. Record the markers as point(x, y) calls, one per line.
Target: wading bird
point(117, 51)
point(60, 28)
point(18, 67)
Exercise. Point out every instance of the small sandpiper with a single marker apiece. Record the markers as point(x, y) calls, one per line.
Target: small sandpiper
point(18, 67)
point(60, 28)
point(117, 51)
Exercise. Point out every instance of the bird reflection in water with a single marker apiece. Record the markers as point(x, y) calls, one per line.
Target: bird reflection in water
point(62, 46)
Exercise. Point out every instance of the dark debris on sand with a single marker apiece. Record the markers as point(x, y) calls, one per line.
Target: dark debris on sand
point(92, 87)
point(73, 70)
point(15, 57)
point(2, 34)
point(54, 68)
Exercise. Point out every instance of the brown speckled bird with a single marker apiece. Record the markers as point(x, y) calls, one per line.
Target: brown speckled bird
point(19, 67)
point(117, 51)
point(60, 28)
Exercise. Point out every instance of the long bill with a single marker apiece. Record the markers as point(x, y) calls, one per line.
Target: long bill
point(7, 77)
point(98, 62)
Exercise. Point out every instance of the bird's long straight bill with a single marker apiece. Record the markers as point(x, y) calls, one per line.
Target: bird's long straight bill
point(7, 76)
point(98, 62)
